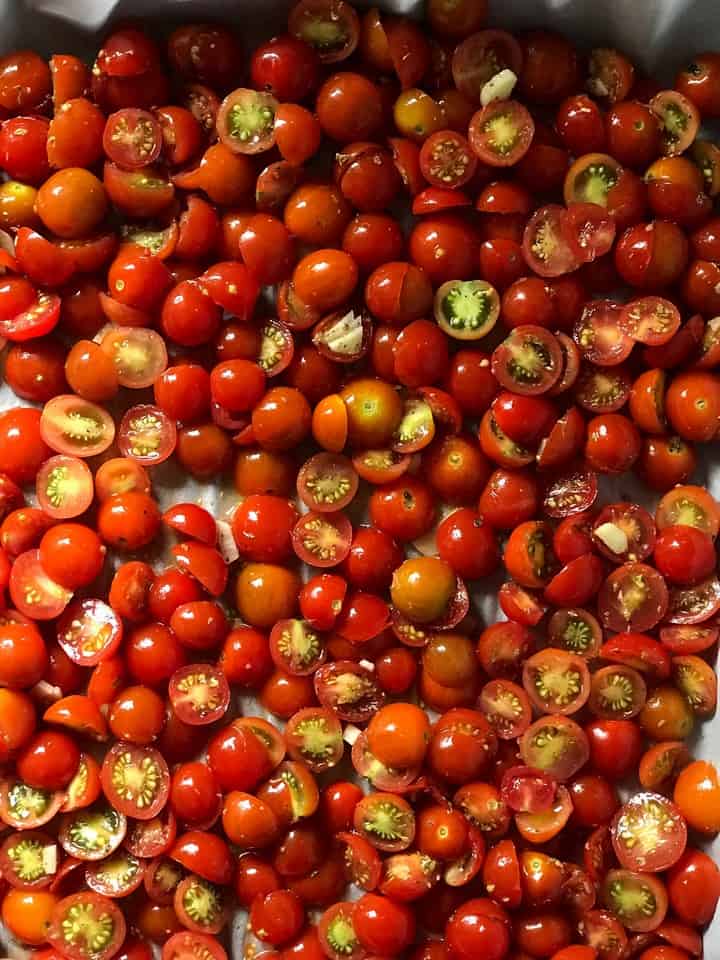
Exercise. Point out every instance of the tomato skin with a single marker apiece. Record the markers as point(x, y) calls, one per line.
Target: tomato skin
point(613, 443)
point(72, 554)
point(22, 449)
point(23, 655)
point(510, 497)
point(615, 747)
point(238, 759)
point(49, 761)
point(468, 544)
point(693, 405)
point(694, 887)
point(382, 925)
point(349, 107)
point(27, 915)
point(697, 794)
point(403, 509)
point(475, 929)
point(285, 66)
point(684, 555)
point(128, 521)
point(262, 527)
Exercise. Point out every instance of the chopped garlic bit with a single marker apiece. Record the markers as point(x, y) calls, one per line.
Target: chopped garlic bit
point(50, 858)
point(499, 87)
point(613, 537)
point(226, 542)
point(351, 733)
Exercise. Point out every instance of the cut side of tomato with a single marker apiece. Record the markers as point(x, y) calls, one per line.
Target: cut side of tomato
point(86, 926)
point(135, 780)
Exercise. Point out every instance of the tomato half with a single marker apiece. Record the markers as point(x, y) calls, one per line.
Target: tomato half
point(556, 681)
point(679, 119)
point(199, 693)
point(349, 689)
point(135, 780)
point(29, 860)
point(76, 427)
point(501, 133)
point(33, 592)
point(556, 745)
point(138, 353)
point(147, 435)
point(633, 597)
point(545, 248)
point(89, 631)
point(599, 336)
point(25, 808)
point(322, 539)
point(132, 138)
point(466, 309)
point(529, 361)
point(118, 875)
point(296, 647)
point(187, 945)
point(93, 833)
point(37, 320)
point(650, 320)
point(327, 482)
point(64, 487)
point(86, 926)
point(648, 833)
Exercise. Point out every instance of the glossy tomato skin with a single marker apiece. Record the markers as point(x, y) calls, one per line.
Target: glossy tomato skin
point(49, 761)
point(613, 443)
point(615, 747)
point(403, 509)
point(22, 448)
point(684, 555)
point(476, 929)
point(468, 544)
point(697, 793)
point(694, 887)
point(23, 655)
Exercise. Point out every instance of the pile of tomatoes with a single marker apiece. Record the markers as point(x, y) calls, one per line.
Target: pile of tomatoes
point(418, 291)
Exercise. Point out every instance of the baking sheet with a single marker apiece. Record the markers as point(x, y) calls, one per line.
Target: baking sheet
point(660, 34)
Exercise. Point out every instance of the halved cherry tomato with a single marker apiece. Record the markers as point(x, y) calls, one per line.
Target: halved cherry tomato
point(36, 320)
point(199, 693)
point(528, 361)
point(64, 487)
point(500, 134)
point(589, 229)
point(650, 320)
point(556, 681)
point(507, 707)
point(132, 138)
point(33, 592)
point(87, 925)
point(479, 57)
point(139, 355)
point(545, 247)
point(76, 427)
point(322, 539)
point(542, 826)
point(648, 833)
point(556, 745)
point(679, 119)
point(633, 597)
point(599, 336)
